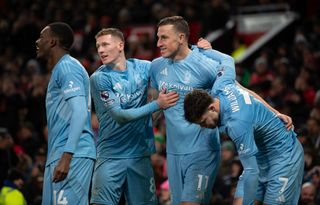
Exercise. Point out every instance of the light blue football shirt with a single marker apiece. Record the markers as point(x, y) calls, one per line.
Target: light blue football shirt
point(254, 128)
point(68, 79)
point(127, 89)
point(195, 71)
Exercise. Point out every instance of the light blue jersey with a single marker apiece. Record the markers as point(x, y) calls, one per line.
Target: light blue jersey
point(252, 126)
point(195, 71)
point(69, 79)
point(261, 140)
point(74, 189)
point(193, 153)
point(125, 140)
point(112, 89)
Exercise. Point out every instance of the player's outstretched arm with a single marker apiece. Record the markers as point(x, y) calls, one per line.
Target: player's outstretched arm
point(163, 101)
point(285, 118)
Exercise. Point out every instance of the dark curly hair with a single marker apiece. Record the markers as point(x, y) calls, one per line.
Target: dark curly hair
point(196, 104)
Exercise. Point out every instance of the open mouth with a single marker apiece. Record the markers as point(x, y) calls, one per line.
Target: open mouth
point(104, 57)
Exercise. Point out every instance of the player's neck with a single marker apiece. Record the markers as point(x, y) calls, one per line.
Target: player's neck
point(120, 64)
point(55, 57)
point(182, 53)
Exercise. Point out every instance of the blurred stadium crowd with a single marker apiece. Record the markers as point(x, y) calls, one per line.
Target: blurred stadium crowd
point(287, 75)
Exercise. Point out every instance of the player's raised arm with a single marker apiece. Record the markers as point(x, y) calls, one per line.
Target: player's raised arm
point(207, 50)
point(228, 62)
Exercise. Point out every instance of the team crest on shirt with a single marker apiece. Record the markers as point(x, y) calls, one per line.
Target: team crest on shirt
point(104, 95)
point(138, 79)
point(187, 77)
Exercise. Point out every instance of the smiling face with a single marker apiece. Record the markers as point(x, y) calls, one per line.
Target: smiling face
point(169, 41)
point(44, 43)
point(110, 48)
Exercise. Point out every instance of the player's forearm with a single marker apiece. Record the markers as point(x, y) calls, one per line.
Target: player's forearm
point(250, 179)
point(154, 94)
point(122, 116)
point(226, 68)
point(222, 58)
point(78, 119)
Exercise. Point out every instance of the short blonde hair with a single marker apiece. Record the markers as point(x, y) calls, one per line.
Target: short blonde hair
point(110, 31)
point(178, 23)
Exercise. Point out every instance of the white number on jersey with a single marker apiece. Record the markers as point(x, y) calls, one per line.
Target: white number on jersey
point(62, 200)
point(200, 180)
point(246, 96)
point(284, 180)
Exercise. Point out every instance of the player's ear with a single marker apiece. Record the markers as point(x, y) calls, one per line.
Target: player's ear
point(211, 107)
point(121, 45)
point(182, 37)
point(53, 41)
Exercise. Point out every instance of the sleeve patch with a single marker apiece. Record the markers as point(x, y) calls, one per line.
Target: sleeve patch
point(104, 96)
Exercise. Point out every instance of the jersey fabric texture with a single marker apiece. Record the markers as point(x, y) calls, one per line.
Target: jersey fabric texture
point(257, 131)
point(192, 176)
point(133, 176)
point(68, 79)
point(124, 143)
point(125, 89)
point(74, 189)
point(281, 183)
point(195, 71)
point(198, 70)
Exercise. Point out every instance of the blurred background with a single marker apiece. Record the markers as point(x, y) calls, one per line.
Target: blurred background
point(275, 43)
